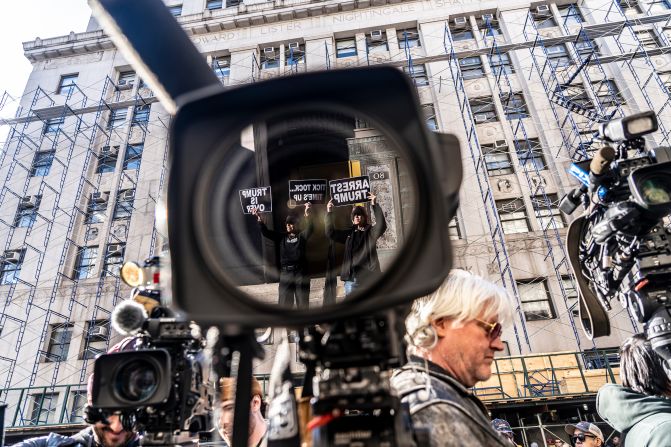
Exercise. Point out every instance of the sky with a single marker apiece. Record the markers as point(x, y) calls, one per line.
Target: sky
point(24, 20)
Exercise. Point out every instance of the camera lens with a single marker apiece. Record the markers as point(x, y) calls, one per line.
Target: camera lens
point(137, 381)
point(656, 189)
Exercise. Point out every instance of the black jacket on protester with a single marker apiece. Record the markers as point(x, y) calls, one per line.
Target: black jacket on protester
point(359, 260)
point(292, 250)
point(449, 413)
point(84, 438)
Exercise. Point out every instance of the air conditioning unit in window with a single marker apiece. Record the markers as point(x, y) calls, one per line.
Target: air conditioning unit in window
point(128, 194)
point(99, 197)
point(294, 45)
point(29, 202)
point(543, 10)
point(376, 35)
point(488, 18)
point(460, 21)
point(114, 249)
point(12, 256)
point(124, 84)
point(109, 151)
point(500, 144)
point(480, 118)
point(98, 332)
point(269, 50)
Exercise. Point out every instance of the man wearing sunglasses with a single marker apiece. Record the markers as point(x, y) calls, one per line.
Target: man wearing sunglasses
point(585, 434)
point(453, 336)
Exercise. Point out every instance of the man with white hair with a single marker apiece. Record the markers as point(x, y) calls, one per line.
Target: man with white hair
point(453, 334)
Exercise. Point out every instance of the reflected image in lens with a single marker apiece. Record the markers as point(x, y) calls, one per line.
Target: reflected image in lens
point(137, 381)
point(656, 190)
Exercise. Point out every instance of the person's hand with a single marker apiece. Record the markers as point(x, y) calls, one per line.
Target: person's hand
point(255, 213)
point(329, 206)
point(308, 206)
point(372, 198)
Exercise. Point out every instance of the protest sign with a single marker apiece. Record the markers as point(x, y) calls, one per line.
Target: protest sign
point(260, 198)
point(303, 191)
point(349, 191)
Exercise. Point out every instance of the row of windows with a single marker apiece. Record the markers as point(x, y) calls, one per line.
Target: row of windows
point(117, 118)
point(85, 261)
point(514, 219)
point(107, 160)
point(484, 109)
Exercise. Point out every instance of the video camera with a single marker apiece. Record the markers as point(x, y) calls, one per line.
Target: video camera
point(234, 149)
point(620, 247)
point(156, 381)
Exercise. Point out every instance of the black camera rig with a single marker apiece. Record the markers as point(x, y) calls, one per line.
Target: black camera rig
point(620, 247)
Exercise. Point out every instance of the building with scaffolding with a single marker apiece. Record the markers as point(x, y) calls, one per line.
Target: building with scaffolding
point(523, 84)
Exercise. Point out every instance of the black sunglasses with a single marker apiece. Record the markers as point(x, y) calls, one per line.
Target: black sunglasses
point(581, 437)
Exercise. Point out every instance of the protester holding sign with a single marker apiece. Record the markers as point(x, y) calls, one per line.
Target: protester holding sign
point(360, 263)
point(294, 283)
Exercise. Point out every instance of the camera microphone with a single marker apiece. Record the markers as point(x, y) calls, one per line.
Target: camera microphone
point(128, 317)
point(599, 166)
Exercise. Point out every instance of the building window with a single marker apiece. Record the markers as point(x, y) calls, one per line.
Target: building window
point(124, 204)
point(42, 163)
point(67, 84)
point(544, 21)
point(44, 408)
point(133, 157)
point(497, 158)
point(408, 38)
point(459, 35)
point(530, 151)
point(117, 118)
point(453, 230)
point(95, 210)
point(489, 27)
point(10, 267)
point(571, 15)
point(648, 39)
point(665, 77)
point(86, 262)
point(53, 124)
point(221, 65)
point(345, 47)
point(107, 159)
point(214, 4)
point(59, 343)
point(547, 211)
point(294, 53)
point(376, 42)
point(536, 301)
point(113, 259)
point(270, 58)
point(630, 7)
point(95, 339)
point(571, 295)
point(659, 6)
point(500, 62)
point(558, 55)
point(126, 80)
point(471, 67)
point(607, 93)
point(26, 214)
point(417, 74)
point(176, 10)
point(78, 400)
point(483, 110)
point(141, 115)
point(577, 94)
point(586, 47)
point(513, 215)
point(514, 106)
point(429, 113)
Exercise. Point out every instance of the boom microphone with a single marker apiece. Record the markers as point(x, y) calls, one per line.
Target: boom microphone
point(599, 166)
point(128, 317)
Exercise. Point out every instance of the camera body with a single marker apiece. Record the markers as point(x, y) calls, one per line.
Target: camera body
point(620, 247)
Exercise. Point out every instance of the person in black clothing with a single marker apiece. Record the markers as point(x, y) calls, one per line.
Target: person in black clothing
point(360, 263)
point(293, 279)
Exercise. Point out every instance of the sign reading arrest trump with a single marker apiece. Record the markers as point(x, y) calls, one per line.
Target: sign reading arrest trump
point(304, 191)
point(349, 191)
point(260, 198)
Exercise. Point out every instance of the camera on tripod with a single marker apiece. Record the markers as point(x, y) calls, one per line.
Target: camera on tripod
point(157, 381)
point(620, 247)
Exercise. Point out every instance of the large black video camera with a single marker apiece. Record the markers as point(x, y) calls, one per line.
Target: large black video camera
point(619, 248)
point(156, 381)
point(242, 161)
